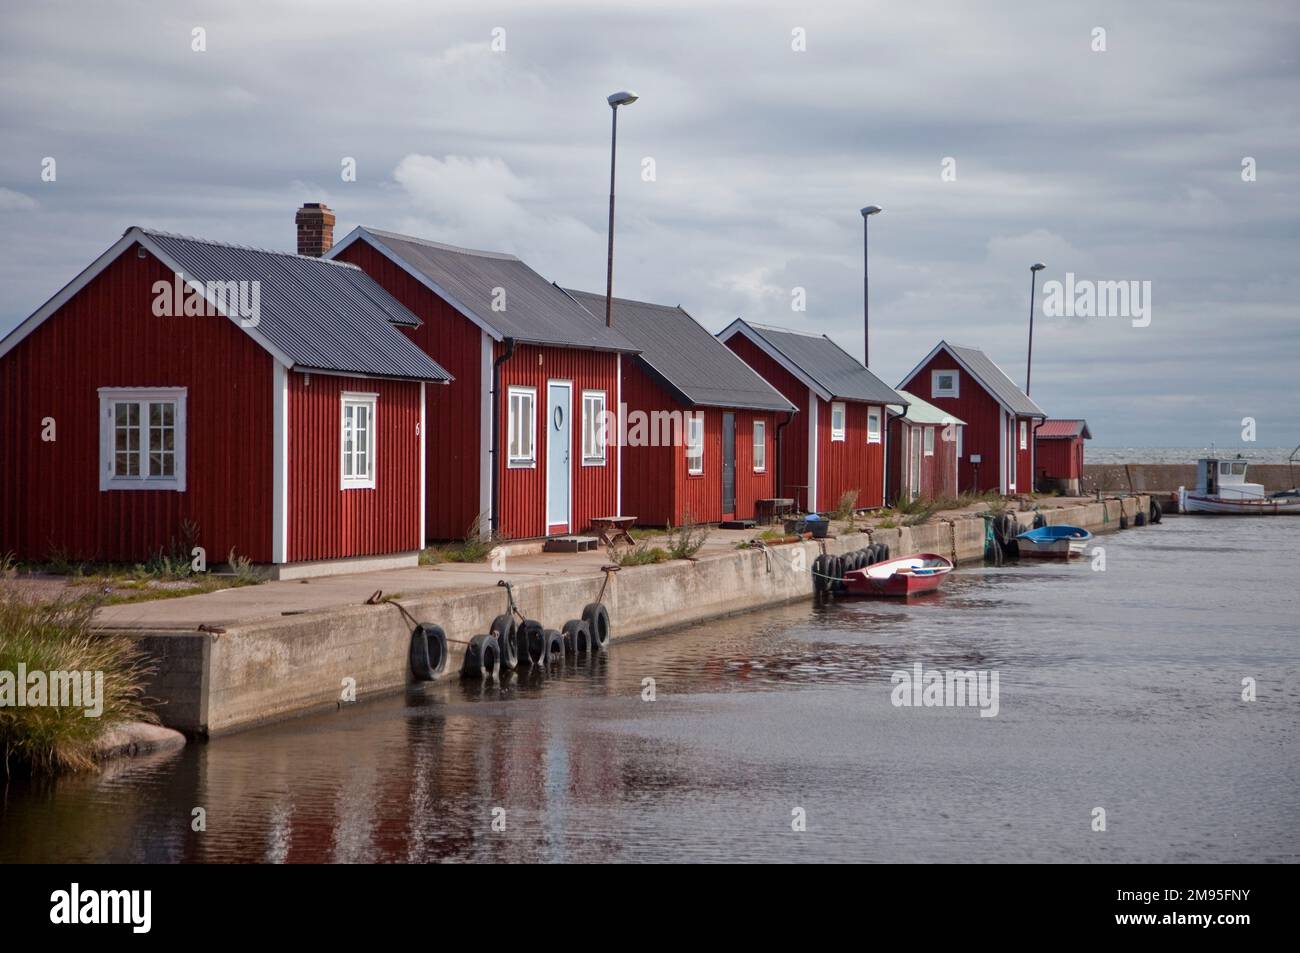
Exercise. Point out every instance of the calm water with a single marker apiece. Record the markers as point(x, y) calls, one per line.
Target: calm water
point(1119, 689)
point(1187, 455)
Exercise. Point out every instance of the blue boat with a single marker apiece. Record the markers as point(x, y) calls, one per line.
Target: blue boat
point(1054, 542)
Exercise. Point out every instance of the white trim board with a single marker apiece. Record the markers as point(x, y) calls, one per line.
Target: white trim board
point(280, 465)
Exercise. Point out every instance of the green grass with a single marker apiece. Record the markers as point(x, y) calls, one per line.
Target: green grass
point(58, 637)
point(642, 554)
point(846, 506)
point(686, 540)
point(163, 576)
point(474, 548)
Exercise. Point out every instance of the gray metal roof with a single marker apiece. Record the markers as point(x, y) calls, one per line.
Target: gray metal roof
point(321, 315)
point(834, 369)
point(923, 412)
point(686, 358)
point(995, 380)
point(535, 311)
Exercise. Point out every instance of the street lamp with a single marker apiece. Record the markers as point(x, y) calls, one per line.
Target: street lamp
point(1034, 269)
point(621, 98)
point(867, 212)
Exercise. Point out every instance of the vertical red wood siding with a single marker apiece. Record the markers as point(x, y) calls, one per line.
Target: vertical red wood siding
point(794, 436)
point(851, 464)
point(454, 448)
point(326, 521)
point(657, 487)
point(523, 489)
point(982, 413)
point(938, 471)
point(1024, 472)
point(107, 336)
point(1060, 457)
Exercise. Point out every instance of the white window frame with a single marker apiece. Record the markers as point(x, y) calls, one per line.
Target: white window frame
point(517, 425)
point(109, 397)
point(960, 428)
point(928, 446)
point(1024, 435)
point(760, 446)
point(695, 444)
point(837, 407)
point(370, 402)
point(937, 391)
point(594, 456)
point(873, 417)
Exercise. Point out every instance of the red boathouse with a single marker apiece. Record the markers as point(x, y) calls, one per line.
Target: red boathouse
point(182, 393)
point(1058, 448)
point(837, 443)
point(925, 444)
point(514, 451)
point(700, 423)
point(997, 450)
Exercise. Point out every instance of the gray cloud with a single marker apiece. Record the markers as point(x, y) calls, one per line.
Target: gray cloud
point(1123, 164)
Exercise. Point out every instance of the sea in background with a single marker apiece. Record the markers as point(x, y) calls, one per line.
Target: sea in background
point(1103, 455)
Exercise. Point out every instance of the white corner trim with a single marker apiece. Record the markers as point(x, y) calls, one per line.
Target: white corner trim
point(280, 465)
point(486, 458)
point(618, 454)
point(812, 450)
point(419, 529)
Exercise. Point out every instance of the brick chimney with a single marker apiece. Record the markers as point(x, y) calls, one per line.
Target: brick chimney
point(315, 229)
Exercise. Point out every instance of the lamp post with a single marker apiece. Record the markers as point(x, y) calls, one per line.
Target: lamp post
point(622, 98)
point(1034, 269)
point(867, 212)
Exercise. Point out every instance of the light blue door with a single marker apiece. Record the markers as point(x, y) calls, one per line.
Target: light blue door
point(559, 407)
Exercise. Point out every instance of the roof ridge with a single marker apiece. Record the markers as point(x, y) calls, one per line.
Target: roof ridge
point(784, 330)
point(160, 233)
point(444, 246)
point(644, 304)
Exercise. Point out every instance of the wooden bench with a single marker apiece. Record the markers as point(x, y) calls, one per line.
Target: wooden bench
point(768, 510)
point(612, 529)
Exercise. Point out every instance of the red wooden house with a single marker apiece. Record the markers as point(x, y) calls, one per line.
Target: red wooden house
point(836, 444)
point(700, 442)
point(1058, 447)
point(925, 444)
point(180, 392)
point(514, 450)
point(997, 450)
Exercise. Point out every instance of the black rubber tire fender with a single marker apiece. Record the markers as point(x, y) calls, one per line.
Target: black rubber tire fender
point(597, 618)
point(553, 639)
point(884, 552)
point(506, 631)
point(532, 642)
point(428, 651)
point(1156, 513)
point(481, 656)
point(577, 637)
point(821, 569)
point(1039, 521)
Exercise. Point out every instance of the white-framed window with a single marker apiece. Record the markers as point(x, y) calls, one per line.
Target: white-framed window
point(358, 439)
point(959, 428)
point(1024, 435)
point(142, 438)
point(873, 425)
point(594, 438)
point(929, 441)
point(837, 420)
point(695, 444)
point(522, 427)
point(944, 384)
point(760, 446)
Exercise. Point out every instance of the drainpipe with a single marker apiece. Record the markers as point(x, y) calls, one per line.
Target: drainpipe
point(1033, 456)
point(496, 434)
point(780, 442)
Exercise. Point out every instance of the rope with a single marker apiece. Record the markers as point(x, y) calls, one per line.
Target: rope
point(415, 624)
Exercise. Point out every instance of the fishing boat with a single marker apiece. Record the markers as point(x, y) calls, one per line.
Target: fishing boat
point(905, 576)
point(1221, 488)
point(1054, 542)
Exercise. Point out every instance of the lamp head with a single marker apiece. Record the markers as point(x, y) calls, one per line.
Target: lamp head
point(871, 210)
point(624, 97)
point(1037, 266)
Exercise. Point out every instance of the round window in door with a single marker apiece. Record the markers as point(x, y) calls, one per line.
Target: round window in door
point(558, 417)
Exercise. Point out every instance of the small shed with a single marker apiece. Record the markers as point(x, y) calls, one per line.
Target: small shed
point(1058, 446)
point(925, 444)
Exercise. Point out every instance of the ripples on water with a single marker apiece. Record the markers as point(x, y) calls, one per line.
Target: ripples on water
point(1118, 689)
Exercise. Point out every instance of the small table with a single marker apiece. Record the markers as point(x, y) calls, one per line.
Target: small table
point(770, 509)
point(614, 528)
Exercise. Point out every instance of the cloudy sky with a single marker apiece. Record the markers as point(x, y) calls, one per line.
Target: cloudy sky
point(1122, 164)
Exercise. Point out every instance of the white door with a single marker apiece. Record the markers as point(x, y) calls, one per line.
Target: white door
point(559, 443)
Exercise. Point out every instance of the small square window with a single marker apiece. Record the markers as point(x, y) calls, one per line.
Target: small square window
point(142, 438)
point(944, 384)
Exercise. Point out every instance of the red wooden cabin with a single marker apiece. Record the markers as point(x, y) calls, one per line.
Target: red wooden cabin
point(525, 357)
point(700, 424)
point(182, 393)
point(837, 443)
point(1058, 447)
point(925, 444)
point(997, 444)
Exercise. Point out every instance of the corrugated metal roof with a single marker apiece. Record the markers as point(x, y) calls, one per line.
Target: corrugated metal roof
point(837, 371)
point(677, 350)
point(996, 381)
point(1063, 428)
point(322, 315)
point(920, 412)
point(535, 311)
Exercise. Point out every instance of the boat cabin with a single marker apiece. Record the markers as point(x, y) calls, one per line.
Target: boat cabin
point(1225, 478)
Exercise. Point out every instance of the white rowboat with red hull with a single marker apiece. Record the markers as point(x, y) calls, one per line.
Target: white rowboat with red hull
point(905, 576)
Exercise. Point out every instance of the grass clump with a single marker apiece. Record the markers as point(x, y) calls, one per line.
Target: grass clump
point(58, 637)
point(474, 548)
point(642, 554)
point(846, 507)
point(686, 540)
